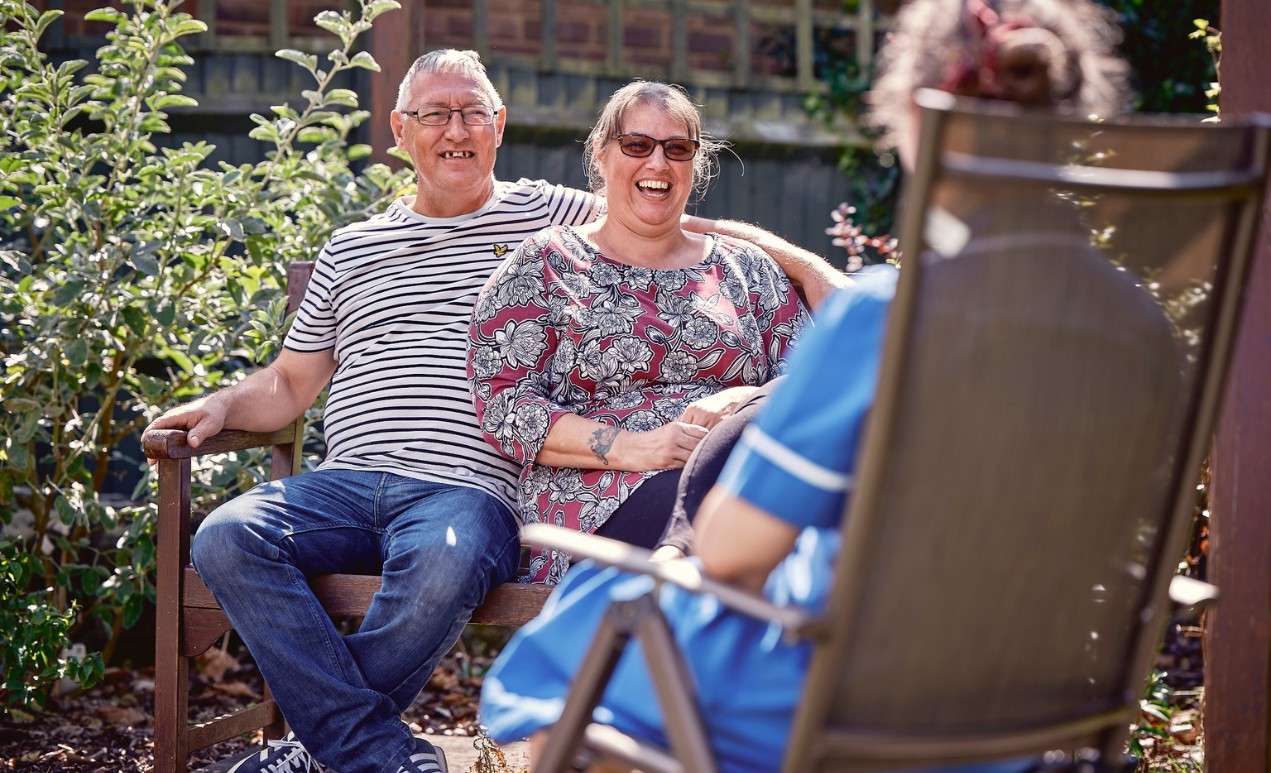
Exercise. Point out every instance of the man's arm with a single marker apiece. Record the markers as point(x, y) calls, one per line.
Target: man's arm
point(811, 273)
point(267, 400)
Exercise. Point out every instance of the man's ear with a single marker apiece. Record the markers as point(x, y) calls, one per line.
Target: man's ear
point(395, 121)
point(499, 123)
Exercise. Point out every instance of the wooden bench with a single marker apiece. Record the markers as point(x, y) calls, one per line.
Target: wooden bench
point(188, 619)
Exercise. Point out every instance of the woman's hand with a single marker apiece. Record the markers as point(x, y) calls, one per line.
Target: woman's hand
point(711, 410)
point(665, 448)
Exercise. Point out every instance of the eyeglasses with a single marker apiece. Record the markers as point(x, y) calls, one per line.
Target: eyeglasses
point(472, 115)
point(641, 146)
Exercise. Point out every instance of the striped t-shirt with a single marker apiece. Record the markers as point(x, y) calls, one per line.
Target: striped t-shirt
point(392, 296)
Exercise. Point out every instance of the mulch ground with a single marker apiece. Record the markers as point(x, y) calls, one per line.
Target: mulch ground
point(109, 728)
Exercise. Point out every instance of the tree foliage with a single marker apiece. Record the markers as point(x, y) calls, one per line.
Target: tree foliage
point(130, 275)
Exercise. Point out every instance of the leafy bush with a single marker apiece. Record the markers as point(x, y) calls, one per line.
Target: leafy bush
point(130, 275)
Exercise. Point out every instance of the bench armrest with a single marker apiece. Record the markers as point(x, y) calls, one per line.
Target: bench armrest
point(170, 443)
point(681, 572)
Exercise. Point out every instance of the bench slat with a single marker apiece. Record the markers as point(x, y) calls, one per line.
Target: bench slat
point(221, 728)
point(344, 595)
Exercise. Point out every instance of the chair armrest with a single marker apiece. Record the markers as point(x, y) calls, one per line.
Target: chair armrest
point(170, 443)
point(679, 572)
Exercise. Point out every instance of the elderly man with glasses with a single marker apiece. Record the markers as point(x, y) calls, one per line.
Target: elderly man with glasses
point(408, 486)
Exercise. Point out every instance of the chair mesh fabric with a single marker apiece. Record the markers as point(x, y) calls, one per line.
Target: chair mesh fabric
point(1049, 388)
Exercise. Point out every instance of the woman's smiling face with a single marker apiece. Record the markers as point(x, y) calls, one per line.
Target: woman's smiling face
point(649, 192)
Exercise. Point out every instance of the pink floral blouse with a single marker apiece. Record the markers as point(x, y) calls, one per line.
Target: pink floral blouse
point(561, 329)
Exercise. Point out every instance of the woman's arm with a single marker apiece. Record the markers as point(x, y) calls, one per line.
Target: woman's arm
point(591, 445)
point(811, 273)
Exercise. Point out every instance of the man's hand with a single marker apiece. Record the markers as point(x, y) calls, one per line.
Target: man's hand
point(201, 419)
point(665, 448)
point(815, 278)
point(712, 409)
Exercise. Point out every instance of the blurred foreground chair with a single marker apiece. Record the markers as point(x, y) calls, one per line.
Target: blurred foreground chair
point(1052, 368)
point(188, 619)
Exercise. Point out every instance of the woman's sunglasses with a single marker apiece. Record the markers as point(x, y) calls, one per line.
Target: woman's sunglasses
point(641, 146)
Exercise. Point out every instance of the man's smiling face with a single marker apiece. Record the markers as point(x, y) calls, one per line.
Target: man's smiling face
point(454, 162)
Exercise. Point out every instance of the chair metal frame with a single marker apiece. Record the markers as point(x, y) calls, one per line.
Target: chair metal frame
point(812, 742)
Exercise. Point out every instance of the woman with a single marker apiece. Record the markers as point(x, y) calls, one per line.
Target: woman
point(601, 355)
point(772, 521)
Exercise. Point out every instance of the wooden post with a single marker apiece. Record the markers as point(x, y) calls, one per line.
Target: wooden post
point(803, 37)
point(396, 40)
point(279, 32)
point(547, 36)
point(1238, 630)
point(679, 41)
point(171, 669)
point(741, 43)
point(614, 36)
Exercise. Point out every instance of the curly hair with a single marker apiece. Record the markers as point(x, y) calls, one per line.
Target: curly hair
point(674, 103)
point(1065, 48)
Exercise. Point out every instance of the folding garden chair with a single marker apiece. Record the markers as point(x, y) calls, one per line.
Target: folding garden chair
point(1052, 368)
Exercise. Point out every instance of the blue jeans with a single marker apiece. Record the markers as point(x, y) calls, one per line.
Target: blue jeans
point(440, 549)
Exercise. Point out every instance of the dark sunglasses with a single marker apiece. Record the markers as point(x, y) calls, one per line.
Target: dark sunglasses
point(641, 146)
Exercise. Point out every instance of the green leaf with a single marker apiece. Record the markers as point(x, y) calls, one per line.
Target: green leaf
point(67, 292)
point(9, 201)
point(364, 60)
point(90, 581)
point(316, 134)
point(65, 512)
point(375, 9)
point(188, 27)
point(334, 23)
point(343, 97)
point(132, 611)
point(145, 263)
point(77, 351)
point(232, 228)
point(46, 18)
point(135, 318)
point(264, 133)
point(108, 15)
point(307, 61)
point(173, 100)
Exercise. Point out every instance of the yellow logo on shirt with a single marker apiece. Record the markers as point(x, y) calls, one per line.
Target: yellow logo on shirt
point(500, 250)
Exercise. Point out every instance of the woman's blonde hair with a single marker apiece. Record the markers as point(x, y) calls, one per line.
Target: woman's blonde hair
point(946, 43)
point(675, 104)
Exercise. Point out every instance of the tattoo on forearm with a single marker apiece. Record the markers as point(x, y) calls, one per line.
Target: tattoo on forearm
point(601, 441)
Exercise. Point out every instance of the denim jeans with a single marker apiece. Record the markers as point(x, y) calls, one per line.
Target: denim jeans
point(439, 547)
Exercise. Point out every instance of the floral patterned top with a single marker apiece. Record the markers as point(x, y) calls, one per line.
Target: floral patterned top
point(561, 329)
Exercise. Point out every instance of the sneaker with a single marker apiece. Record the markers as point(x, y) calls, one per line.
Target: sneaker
point(426, 759)
point(283, 756)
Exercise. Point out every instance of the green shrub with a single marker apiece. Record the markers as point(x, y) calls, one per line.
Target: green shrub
point(130, 275)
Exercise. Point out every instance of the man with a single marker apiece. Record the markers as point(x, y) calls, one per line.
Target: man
point(408, 485)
